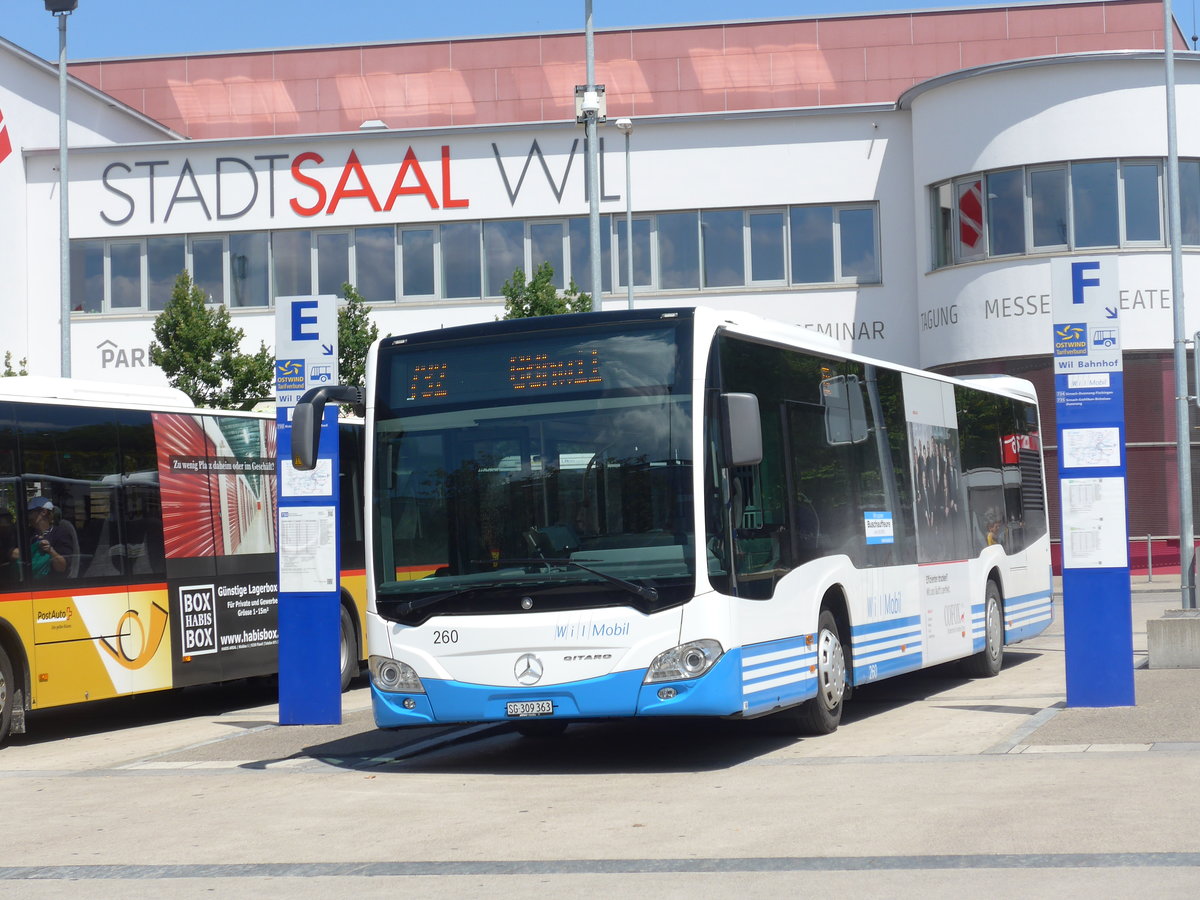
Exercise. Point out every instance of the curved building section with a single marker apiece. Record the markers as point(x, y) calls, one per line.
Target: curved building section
point(1022, 163)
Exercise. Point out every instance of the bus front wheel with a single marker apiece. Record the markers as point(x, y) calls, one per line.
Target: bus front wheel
point(8, 693)
point(349, 650)
point(823, 713)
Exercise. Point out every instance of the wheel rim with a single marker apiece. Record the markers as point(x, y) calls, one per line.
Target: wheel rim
point(3, 692)
point(831, 669)
point(993, 626)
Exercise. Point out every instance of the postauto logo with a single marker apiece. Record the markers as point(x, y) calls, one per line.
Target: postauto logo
point(5, 143)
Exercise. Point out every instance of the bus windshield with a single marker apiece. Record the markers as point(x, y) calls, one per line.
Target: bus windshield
point(560, 480)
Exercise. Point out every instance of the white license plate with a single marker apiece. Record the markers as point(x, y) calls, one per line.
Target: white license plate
point(524, 708)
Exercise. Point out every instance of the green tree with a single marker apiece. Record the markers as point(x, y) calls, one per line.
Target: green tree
point(198, 349)
point(9, 371)
point(356, 333)
point(539, 297)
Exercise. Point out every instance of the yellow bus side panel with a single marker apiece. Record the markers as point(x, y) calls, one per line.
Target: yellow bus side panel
point(100, 644)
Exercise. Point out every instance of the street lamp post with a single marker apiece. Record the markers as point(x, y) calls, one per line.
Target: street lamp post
point(60, 9)
point(625, 126)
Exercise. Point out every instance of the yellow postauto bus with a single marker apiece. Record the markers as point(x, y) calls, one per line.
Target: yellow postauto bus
point(138, 544)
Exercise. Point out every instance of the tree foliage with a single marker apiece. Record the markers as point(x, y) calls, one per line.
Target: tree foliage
point(9, 371)
point(198, 349)
point(539, 297)
point(356, 334)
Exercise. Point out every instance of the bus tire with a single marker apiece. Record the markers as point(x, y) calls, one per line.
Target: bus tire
point(987, 662)
point(823, 713)
point(8, 695)
point(349, 650)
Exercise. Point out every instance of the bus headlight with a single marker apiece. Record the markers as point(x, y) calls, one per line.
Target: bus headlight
point(394, 676)
point(690, 660)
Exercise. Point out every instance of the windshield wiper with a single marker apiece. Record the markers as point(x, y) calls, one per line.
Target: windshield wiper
point(646, 593)
point(409, 607)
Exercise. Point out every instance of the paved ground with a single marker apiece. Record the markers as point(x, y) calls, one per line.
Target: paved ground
point(935, 786)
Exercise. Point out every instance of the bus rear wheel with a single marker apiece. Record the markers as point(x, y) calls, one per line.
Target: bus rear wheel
point(987, 662)
point(8, 693)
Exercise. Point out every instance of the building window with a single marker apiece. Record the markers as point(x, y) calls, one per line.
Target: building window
point(766, 247)
point(678, 251)
point(858, 250)
point(812, 244)
point(1143, 207)
point(87, 276)
point(417, 251)
point(1048, 193)
point(504, 251)
point(1063, 206)
point(642, 255)
point(547, 245)
point(208, 267)
point(165, 259)
point(695, 250)
point(375, 263)
point(581, 253)
point(125, 275)
point(248, 269)
point(333, 262)
point(460, 260)
point(723, 246)
point(1094, 216)
point(1006, 212)
point(291, 254)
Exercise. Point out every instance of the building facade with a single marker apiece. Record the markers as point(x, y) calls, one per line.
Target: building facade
point(900, 183)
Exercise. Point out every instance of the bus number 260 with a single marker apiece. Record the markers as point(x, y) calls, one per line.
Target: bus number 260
point(446, 637)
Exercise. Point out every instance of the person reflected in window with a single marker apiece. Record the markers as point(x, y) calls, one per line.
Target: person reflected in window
point(52, 544)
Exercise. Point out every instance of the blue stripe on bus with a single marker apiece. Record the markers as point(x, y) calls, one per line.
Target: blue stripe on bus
point(868, 671)
point(778, 673)
point(885, 625)
point(1025, 615)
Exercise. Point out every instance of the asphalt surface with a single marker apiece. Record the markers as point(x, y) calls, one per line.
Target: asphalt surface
point(934, 786)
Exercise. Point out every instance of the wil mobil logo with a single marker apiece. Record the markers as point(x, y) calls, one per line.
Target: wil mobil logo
point(5, 143)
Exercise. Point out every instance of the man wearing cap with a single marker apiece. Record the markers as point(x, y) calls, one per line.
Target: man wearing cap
point(52, 544)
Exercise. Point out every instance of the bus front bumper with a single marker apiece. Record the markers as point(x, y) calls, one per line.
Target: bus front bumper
point(620, 695)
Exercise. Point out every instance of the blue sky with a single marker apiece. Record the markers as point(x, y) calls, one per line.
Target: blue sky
point(106, 28)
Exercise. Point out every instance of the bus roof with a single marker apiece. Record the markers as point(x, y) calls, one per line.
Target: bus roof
point(76, 390)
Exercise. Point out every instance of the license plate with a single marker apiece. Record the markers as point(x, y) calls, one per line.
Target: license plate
point(525, 708)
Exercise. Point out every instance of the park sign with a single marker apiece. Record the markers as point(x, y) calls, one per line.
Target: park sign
point(1090, 412)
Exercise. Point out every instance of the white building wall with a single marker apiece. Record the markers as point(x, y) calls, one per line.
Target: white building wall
point(29, 267)
point(706, 163)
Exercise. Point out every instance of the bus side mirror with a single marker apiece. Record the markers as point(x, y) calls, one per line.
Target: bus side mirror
point(307, 416)
point(742, 429)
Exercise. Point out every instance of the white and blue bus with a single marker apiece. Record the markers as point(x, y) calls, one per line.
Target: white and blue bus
point(685, 513)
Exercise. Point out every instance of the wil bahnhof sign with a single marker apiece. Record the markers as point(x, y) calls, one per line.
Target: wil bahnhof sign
point(1090, 408)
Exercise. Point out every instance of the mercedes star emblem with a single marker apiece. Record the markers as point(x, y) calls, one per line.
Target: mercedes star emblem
point(528, 669)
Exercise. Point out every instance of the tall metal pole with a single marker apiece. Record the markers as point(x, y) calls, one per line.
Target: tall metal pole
point(1183, 446)
point(625, 126)
point(593, 164)
point(64, 233)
